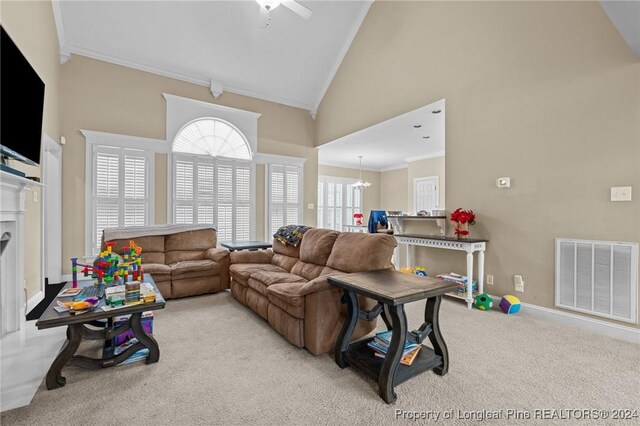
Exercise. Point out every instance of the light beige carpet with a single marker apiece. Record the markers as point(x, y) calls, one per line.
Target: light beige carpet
point(222, 364)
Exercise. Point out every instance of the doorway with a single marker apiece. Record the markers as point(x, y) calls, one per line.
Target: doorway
point(426, 193)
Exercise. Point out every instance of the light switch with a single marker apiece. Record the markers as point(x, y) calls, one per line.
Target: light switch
point(621, 193)
point(310, 206)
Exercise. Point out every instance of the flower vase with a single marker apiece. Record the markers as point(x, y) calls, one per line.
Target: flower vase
point(462, 231)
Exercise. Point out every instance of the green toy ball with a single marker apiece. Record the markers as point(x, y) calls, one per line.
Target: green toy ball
point(483, 302)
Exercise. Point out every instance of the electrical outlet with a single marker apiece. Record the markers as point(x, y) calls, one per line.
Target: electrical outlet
point(310, 206)
point(35, 196)
point(518, 282)
point(489, 279)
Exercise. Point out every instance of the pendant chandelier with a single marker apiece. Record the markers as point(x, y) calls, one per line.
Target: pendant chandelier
point(360, 184)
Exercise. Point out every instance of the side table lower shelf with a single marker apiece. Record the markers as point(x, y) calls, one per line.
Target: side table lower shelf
point(361, 356)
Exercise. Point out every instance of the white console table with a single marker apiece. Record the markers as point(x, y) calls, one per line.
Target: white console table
point(470, 246)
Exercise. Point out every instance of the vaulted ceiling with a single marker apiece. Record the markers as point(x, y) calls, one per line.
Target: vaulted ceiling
point(292, 61)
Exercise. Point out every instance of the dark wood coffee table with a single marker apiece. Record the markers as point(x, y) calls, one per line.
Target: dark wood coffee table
point(392, 289)
point(246, 245)
point(77, 330)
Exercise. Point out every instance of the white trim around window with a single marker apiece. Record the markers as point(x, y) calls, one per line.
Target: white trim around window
point(117, 146)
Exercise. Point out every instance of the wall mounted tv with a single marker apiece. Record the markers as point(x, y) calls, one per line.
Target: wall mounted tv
point(21, 105)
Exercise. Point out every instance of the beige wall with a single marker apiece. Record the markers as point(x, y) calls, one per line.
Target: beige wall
point(394, 191)
point(427, 168)
point(32, 28)
point(100, 96)
point(371, 195)
point(544, 92)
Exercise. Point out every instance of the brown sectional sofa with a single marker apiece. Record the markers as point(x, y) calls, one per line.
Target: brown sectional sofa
point(287, 285)
point(182, 263)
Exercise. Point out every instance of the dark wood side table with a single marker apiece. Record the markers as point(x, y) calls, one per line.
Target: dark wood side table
point(246, 245)
point(392, 289)
point(77, 330)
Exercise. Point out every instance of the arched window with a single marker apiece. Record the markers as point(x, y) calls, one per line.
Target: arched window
point(214, 137)
point(214, 178)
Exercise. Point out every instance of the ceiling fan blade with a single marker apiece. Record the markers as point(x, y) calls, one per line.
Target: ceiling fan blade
point(264, 18)
point(297, 8)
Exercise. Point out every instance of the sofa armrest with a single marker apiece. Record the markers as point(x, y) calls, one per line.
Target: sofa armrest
point(221, 256)
point(249, 256)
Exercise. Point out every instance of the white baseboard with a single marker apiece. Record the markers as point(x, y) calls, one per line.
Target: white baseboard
point(594, 325)
point(33, 301)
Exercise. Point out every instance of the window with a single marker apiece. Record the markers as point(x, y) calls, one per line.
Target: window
point(213, 179)
point(338, 200)
point(284, 206)
point(121, 188)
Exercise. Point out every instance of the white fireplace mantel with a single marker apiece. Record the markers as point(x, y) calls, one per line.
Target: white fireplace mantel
point(12, 209)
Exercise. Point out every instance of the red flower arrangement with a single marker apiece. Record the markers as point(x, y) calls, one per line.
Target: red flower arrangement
point(358, 218)
point(462, 219)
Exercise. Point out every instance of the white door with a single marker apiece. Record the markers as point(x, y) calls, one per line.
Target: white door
point(52, 168)
point(425, 193)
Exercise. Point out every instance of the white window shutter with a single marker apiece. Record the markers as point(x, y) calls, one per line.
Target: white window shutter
point(285, 196)
point(225, 201)
point(121, 189)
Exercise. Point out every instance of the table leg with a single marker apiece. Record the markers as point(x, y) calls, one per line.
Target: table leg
point(350, 321)
point(469, 297)
point(481, 271)
point(54, 375)
point(386, 317)
point(147, 340)
point(392, 360)
point(431, 316)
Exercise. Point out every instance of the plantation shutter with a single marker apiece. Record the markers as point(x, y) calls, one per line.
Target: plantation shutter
point(183, 172)
point(285, 196)
point(338, 200)
point(225, 201)
point(242, 197)
point(121, 189)
point(214, 191)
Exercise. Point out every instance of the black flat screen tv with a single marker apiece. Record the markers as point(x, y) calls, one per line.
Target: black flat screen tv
point(21, 104)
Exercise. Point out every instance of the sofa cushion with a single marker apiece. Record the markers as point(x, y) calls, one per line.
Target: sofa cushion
point(241, 272)
point(150, 244)
point(194, 268)
point(356, 252)
point(287, 250)
point(260, 280)
point(159, 271)
point(201, 240)
point(309, 271)
point(316, 245)
point(171, 257)
point(287, 297)
point(284, 261)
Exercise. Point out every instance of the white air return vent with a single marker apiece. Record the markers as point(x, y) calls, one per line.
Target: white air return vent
point(598, 277)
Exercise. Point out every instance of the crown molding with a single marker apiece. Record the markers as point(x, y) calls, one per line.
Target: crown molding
point(64, 52)
point(343, 52)
point(345, 166)
point(392, 168)
point(425, 157)
point(189, 78)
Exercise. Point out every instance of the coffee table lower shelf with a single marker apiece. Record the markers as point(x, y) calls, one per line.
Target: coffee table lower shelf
point(362, 357)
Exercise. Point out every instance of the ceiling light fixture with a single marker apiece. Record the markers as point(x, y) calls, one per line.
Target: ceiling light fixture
point(426, 137)
point(436, 111)
point(417, 126)
point(360, 184)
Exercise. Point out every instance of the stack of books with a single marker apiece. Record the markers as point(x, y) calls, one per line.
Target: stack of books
point(136, 356)
point(132, 292)
point(461, 280)
point(380, 345)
